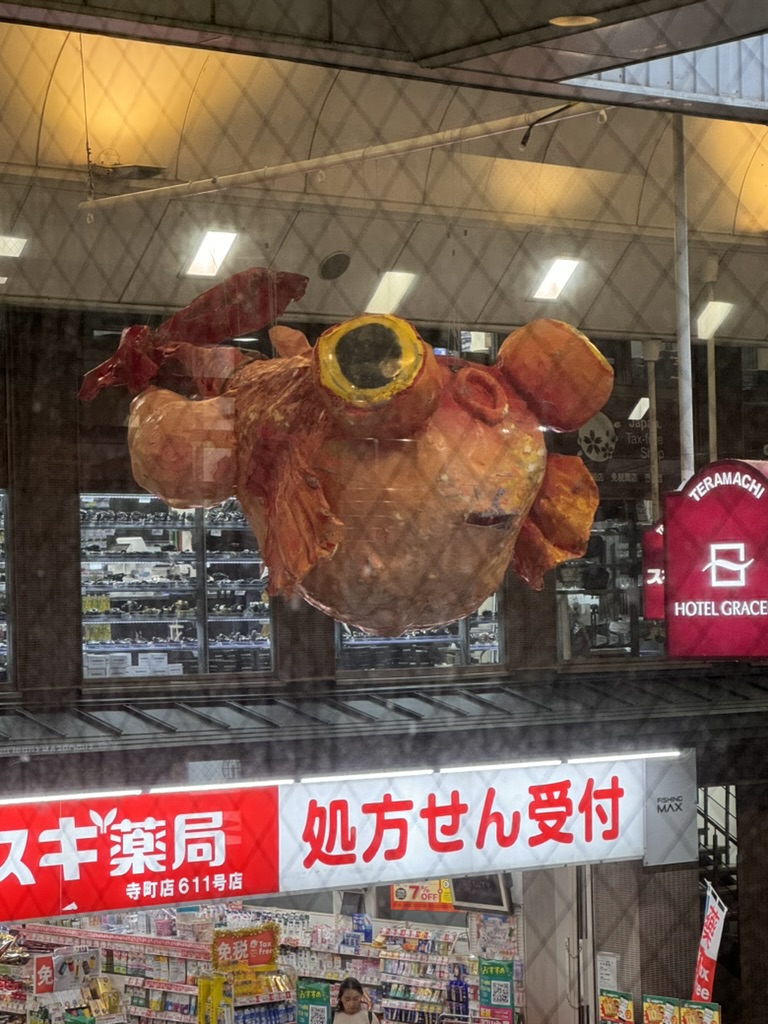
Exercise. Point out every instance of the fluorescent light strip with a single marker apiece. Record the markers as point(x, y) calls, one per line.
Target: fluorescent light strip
point(10, 246)
point(390, 292)
point(500, 767)
point(646, 755)
point(711, 317)
point(368, 775)
point(642, 407)
point(211, 254)
point(220, 785)
point(555, 279)
point(57, 797)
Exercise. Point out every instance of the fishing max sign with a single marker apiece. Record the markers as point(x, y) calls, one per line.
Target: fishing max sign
point(716, 563)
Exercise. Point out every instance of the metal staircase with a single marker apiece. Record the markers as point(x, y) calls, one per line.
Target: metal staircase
point(718, 854)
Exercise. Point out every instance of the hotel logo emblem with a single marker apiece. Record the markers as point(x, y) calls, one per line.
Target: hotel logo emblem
point(727, 565)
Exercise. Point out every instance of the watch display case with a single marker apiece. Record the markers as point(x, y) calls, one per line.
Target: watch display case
point(474, 640)
point(238, 627)
point(3, 596)
point(169, 592)
point(598, 596)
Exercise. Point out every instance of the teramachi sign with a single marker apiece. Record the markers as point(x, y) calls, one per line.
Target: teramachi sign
point(716, 579)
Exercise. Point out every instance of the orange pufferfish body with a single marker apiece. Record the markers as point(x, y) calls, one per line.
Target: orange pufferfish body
point(389, 487)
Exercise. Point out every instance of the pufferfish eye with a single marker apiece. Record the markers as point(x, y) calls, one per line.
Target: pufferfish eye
point(369, 360)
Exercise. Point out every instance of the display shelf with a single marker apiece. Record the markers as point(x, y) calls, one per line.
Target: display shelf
point(265, 997)
point(599, 595)
point(170, 592)
point(4, 625)
point(474, 640)
point(162, 986)
point(144, 1011)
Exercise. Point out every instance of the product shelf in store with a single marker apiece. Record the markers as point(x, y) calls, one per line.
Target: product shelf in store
point(127, 590)
point(120, 647)
point(138, 558)
point(275, 996)
point(414, 981)
point(141, 557)
point(144, 1011)
point(91, 619)
point(244, 557)
point(162, 986)
point(60, 935)
point(12, 1006)
point(427, 1005)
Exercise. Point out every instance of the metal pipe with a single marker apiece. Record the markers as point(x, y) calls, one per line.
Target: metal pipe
point(653, 441)
point(683, 292)
point(449, 137)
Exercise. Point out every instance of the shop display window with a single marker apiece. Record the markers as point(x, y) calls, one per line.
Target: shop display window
point(3, 595)
point(474, 640)
point(599, 597)
point(170, 592)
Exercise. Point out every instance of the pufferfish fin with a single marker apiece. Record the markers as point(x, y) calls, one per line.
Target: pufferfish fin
point(287, 341)
point(301, 527)
point(558, 524)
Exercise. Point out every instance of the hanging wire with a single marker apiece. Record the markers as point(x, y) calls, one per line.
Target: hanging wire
point(89, 165)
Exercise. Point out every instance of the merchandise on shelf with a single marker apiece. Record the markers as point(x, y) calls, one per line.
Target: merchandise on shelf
point(471, 641)
point(169, 592)
point(411, 975)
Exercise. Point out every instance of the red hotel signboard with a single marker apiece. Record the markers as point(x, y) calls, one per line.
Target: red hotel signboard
point(716, 579)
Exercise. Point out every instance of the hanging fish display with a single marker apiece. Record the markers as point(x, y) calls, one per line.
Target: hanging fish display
point(386, 485)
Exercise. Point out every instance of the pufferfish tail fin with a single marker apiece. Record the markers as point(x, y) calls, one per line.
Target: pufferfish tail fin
point(558, 524)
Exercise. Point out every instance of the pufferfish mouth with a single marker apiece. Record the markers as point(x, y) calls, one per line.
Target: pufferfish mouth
point(493, 519)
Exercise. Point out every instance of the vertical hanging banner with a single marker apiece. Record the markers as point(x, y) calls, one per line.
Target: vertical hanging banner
point(709, 946)
point(313, 1002)
point(653, 572)
point(497, 1001)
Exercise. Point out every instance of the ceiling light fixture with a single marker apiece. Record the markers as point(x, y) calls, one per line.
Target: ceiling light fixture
point(556, 279)
point(390, 292)
point(60, 797)
point(711, 318)
point(574, 21)
point(500, 767)
point(211, 254)
point(645, 755)
point(368, 775)
point(204, 787)
point(10, 246)
point(640, 409)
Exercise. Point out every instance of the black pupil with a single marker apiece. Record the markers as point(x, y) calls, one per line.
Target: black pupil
point(369, 356)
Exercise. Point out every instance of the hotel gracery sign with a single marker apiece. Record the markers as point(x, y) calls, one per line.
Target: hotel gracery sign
point(716, 563)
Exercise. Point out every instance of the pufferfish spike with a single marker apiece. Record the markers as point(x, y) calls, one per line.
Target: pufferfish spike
point(565, 380)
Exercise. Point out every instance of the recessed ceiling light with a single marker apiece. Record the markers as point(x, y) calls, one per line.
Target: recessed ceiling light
point(574, 21)
point(3, 280)
point(10, 246)
point(711, 317)
point(642, 407)
point(390, 292)
point(211, 254)
point(556, 278)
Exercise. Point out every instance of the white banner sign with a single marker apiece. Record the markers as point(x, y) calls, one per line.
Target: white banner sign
point(345, 833)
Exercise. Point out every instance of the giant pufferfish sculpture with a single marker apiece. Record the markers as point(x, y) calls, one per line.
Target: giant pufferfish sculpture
point(387, 486)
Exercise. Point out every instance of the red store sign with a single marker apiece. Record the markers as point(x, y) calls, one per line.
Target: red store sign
point(109, 853)
point(84, 855)
point(716, 577)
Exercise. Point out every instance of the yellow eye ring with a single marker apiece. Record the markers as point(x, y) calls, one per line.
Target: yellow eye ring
point(370, 359)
